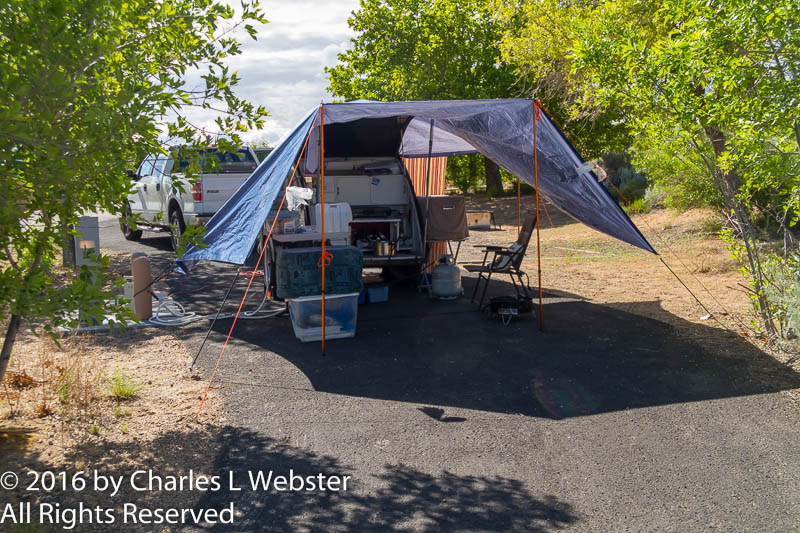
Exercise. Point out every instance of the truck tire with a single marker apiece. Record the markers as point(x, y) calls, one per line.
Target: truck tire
point(127, 232)
point(176, 226)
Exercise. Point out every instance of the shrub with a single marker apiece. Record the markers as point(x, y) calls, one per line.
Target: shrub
point(123, 387)
point(632, 184)
point(526, 189)
point(677, 172)
point(655, 196)
point(637, 207)
point(777, 300)
point(628, 185)
point(712, 225)
point(782, 289)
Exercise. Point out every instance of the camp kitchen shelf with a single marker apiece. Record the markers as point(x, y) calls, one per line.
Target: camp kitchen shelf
point(310, 237)
point(389, 227)
point(396, 258)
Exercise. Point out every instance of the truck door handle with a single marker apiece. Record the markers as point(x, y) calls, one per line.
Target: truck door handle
point(158, 187)
point(145, 187)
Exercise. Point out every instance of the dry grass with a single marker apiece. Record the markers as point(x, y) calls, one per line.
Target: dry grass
point(43, 378)
point(579, 260)
point(130, 386)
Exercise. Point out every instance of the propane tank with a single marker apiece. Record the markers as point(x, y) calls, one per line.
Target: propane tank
point(446, 279)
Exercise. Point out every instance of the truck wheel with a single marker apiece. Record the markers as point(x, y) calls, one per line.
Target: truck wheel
point(177, 226)
point(127, 232)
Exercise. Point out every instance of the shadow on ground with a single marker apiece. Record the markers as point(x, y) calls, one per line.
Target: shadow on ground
point(398, 498)
point(589, 359)
point(404, 498)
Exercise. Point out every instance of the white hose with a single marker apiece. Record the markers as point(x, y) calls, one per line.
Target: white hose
point(168, 312)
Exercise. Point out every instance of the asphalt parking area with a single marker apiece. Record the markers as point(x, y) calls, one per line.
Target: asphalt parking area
point(447, 420)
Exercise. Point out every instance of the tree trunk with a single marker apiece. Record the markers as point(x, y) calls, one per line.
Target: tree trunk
point(730, 188)
point(796, 128)
point(494, 184)
point(68, 252)
point(14, 322)
point(8, 343)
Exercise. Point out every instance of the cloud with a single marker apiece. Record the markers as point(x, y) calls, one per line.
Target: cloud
point(284, 69)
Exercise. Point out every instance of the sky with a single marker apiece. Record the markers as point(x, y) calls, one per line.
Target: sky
point(284, 69)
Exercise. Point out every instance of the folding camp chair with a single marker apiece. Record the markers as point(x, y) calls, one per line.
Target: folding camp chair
point(504, 261)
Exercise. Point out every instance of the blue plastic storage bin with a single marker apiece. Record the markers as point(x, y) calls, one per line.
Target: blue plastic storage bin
point(377, 293)
point(298, 273)
point(341, 313)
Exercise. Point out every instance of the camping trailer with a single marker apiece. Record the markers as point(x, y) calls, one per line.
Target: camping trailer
point(364, 173)
point(363, 169)
point(383, 206)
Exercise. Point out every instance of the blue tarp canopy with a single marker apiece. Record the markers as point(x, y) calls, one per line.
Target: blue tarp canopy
point(501, 130)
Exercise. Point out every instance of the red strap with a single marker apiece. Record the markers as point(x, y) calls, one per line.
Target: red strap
point(328, 258)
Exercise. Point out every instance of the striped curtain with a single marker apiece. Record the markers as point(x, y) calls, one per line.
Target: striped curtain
point(417, 170)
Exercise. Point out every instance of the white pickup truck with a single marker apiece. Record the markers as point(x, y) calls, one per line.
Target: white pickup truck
point(160, 209)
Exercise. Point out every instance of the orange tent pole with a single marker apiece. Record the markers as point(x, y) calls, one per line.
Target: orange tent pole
point(322, 210)
point(247, 290)
point(519, 206)
point(536, 182)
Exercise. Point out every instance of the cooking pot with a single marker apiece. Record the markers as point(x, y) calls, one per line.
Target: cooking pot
point(384, 248)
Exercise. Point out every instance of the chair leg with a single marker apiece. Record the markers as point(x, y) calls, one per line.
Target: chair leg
point(524, 288)
point(475, 290)
point(485, 286)
point(514, 283)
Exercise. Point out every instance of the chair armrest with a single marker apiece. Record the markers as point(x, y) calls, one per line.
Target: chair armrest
point(508, 253)
point(489, 247)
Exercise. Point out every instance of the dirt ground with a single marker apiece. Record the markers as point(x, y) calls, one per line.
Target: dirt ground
point(58, 414)
point(578, 259)
point(39, 430)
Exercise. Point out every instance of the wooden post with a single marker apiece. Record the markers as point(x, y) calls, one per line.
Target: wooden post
point(142, 278)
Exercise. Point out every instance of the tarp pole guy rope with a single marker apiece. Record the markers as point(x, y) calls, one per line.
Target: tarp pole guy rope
point(202, 344)
point(250, 283)
point(666, 245)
